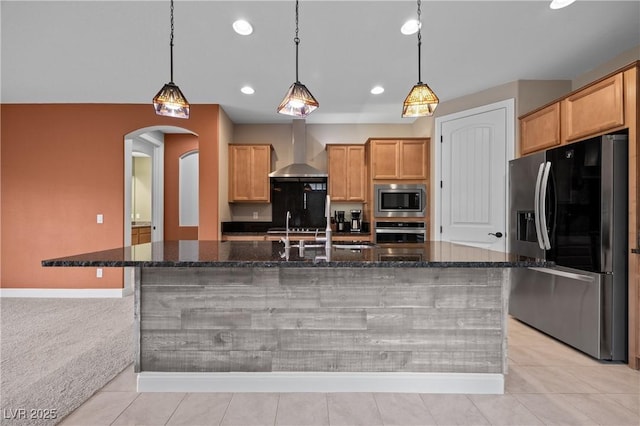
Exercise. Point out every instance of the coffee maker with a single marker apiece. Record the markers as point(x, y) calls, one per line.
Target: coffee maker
point(340, 223)
point(355, 220)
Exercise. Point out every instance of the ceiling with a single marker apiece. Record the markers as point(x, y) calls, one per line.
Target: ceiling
point(118, 51)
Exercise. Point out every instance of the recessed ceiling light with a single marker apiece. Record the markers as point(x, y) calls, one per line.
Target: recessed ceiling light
point(559, 4)
point(247, 90)
point(242, 27)
point(377, 90)
point(410, 27)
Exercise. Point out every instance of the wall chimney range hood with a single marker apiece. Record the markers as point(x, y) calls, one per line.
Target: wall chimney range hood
point(299, 168)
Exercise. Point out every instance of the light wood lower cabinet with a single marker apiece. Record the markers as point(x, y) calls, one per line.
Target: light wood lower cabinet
point(540, 130)
point(347, 172)
point(594, 109)
point(140, 235)
point(249, 168)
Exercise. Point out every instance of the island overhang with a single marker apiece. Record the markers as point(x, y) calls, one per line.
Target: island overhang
point(254, 317)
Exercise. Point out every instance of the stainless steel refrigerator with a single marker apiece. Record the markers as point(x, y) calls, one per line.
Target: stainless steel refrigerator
point(569, 205)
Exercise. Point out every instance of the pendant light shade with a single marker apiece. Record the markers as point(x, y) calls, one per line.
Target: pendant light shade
point(170, 101)
point(421, 101)
point(299, 101)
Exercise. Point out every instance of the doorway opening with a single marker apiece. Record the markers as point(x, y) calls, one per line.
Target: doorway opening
point(144, 184)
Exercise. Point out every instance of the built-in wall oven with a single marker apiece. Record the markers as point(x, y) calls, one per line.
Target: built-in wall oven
point(400, 200)
point(400, 232)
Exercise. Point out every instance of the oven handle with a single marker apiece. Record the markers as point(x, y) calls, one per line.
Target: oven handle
point(400, 231)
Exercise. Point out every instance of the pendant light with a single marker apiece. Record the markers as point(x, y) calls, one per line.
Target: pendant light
point(421, 101)
point(299, 101)
point(170, 101)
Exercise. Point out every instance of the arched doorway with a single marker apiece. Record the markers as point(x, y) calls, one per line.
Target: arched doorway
point(148, 143)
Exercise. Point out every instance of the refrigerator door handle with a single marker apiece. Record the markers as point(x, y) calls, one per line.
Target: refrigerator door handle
point(543, 199)
point(537, 206)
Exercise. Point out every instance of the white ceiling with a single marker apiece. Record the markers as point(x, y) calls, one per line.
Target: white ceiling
point(118, 51)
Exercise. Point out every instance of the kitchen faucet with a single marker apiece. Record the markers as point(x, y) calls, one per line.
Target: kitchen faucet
point(327, 234)
point(285, 240)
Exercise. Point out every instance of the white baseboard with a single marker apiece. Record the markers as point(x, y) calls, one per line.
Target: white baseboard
point(66, 292)
point(462, 383)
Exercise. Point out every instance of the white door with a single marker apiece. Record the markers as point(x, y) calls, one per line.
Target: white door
point(475, 148)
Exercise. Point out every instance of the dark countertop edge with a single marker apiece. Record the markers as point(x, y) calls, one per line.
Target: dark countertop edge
point(635, 250)
point(335, 234)
point(299, 264)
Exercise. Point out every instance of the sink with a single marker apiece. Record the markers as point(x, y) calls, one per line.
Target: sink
point(307, 245)
point(353, 246)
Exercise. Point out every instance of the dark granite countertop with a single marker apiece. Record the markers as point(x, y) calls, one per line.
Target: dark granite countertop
point(432, 254)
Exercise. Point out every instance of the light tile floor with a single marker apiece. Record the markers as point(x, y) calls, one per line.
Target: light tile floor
point(548, 384)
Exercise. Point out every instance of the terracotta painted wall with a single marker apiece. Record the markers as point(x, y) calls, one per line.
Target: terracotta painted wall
point(175, 146)
point(61, 164)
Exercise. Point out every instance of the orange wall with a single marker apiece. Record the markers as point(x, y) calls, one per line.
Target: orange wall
point(175, 146)
point(61, 164)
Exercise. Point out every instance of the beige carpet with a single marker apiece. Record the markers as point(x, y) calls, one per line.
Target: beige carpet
point(56, 353)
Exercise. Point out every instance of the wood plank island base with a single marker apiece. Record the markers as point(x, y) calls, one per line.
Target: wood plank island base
point(252, 317)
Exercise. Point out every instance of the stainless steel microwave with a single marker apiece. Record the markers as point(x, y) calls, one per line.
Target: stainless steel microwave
point(400, 200)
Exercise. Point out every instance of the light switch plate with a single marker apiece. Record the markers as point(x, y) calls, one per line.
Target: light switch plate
point(255, 215)
point(99, 273)
point(99, 218)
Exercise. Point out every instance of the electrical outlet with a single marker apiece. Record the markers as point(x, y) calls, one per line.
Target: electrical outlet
point(99, 218)
point(99, 273)
point(255, 215)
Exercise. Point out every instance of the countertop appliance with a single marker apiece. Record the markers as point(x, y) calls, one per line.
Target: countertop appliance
point(400, 232)
point(569, 205)
point(356, 220)
point(400, 200)
point(340, 223)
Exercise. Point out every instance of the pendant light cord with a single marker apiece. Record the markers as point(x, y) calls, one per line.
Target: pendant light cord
point(296, 40)
point(171, 43)
point(419, 42)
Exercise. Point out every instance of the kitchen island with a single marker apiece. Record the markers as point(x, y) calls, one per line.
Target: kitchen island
point(253, 316)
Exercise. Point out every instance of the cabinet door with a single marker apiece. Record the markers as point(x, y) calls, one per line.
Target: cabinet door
point(356, 173)
point(413, 161)
point(239, 173)
point(260, 168)
point(144, 235)
point(385, 159)
point(337, 171)
point(540, 130)
point(595, 109)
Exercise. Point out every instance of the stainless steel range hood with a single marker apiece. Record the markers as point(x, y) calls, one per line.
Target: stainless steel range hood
point(299, 168)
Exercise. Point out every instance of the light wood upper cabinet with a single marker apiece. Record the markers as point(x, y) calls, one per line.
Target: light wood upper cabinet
point(540, 130)
point(347, 172)
point(249, 168)
point(399, 159)
point(413, 159)
point(594, 109)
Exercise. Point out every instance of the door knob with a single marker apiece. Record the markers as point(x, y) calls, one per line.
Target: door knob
point(497, 234)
